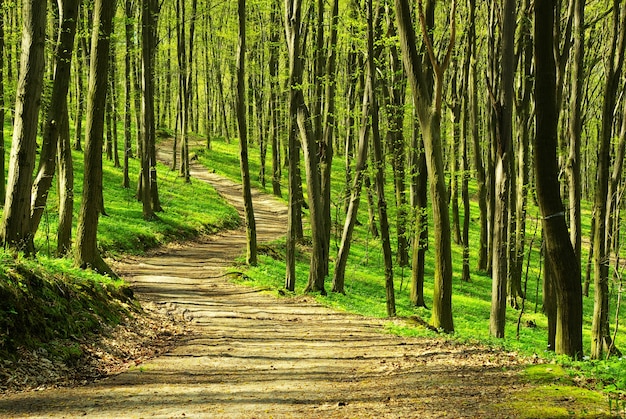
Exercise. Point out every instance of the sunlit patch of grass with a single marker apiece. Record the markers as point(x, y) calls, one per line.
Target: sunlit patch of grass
point(189, 209)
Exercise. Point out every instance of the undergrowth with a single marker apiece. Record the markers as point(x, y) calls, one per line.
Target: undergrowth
point(45, 302)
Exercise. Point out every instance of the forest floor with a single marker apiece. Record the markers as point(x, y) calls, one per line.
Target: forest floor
point(250, 354)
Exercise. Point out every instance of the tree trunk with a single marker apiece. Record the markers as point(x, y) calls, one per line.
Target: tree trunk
point(56, 110)
point(564, 271)
point(2, 111)
point(379, 164)
point(600, 337)
point(251, 255)
point(274, 98)
point(81, 58)
point(419, 202)
point(327, 149)
point(300, 112)
point(15, 231)
point(504, 133)
point(524, 124)
point(396, 90)
point(353, 207)
point(66, 188)
point(128, 9)
point(427, 99)
point(575, 127)
point(86, 253)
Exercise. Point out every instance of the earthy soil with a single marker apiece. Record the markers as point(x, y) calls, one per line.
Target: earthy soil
point(250, 354)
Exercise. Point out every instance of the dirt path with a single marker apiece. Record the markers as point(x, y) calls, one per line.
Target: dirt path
point(254, 355)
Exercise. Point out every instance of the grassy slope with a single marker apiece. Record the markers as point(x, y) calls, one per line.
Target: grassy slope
point(365, 292)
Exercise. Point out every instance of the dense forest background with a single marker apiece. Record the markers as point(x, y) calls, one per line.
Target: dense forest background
point(487, 138)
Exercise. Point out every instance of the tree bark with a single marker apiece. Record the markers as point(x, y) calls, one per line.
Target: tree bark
point(600, 337)
point(15, 231)
point(87, 254)
point(379, 164)
point(251, 254)
point(575, 127)
point(56, 111)
point(2, 111)
point(355, 198)
point(504, 150)
point(428, 99)
point(300, 112)
point(66, 187)
point(419, 202)
point(559, 250)
point(274, 98)
point(128, 32)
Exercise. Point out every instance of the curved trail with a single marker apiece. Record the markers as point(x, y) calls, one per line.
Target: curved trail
point(255, 355)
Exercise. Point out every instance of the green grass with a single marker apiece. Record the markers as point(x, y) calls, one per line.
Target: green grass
point(48, 302)
point(365, 289)
point(189, 210)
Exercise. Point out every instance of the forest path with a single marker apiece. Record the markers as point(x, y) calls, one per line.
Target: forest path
point(252, 354)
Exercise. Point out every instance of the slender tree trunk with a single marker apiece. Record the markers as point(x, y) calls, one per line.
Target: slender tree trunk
point(128, 9)
point(600, 337)
point(575, 127)
point(274, 102)
point(504, 112)
point(15, 231)
point(251, 256)
point(396, 91)
point(66, 188)
point(86, 253)
point(524, 129)
point(292, 24)
point(2, 111)
point(419, 202)
point(327, 149)
point(353, 207)
point(300, 111)
point(81, 58)
point(148, 165)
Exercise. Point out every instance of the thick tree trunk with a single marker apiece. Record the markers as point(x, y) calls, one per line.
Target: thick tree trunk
point(15, 231)
point(428, 103)
point(559, 250)
point(56, 110)
point(86, 253)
